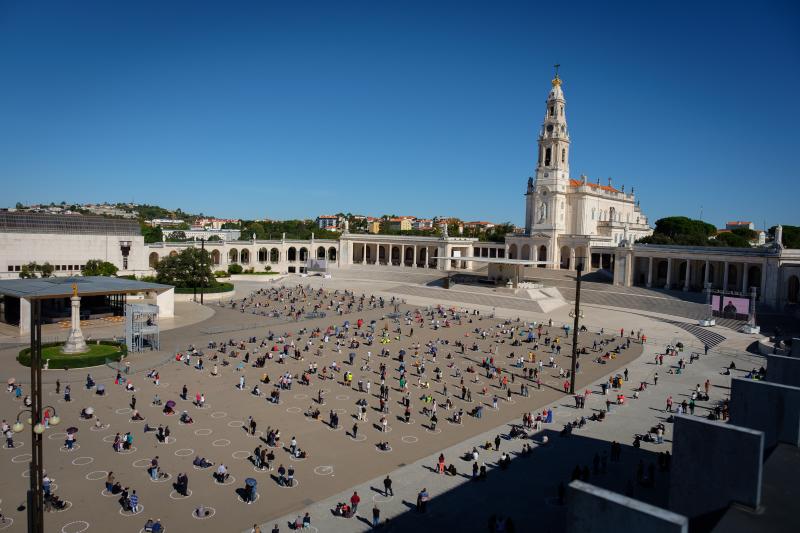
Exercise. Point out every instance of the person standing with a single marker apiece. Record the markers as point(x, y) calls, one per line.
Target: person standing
point(376, 516)
point(422, 500)
point(387, 487)
point(354, 501)
point(134, 501)
point(497, 443)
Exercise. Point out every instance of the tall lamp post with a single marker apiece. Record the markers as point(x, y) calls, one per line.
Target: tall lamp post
point(577, 315)
point(203, 265)
point(35, 492)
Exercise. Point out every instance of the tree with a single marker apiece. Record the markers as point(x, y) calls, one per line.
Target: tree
point(732, 240)
point(189, 268)
point(681, 230)
point(98, 267)
point(152, 234)
point(791, 236)
point(30, 270)
point(177, 236)
point(214, 238)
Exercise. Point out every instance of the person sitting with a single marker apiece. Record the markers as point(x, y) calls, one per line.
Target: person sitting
point(201, 511)
point(129, 387)
point(156, 400)
point(86, 416)
point(53, 502)
point(89, 381)
point(201, 462)
point(451, 469)
point(221, 475)
point(185, 418)
point(343, 510)
point(100, 390)
point(256, 391)
point(136, 416)
point(383, 446)
point(300, 454)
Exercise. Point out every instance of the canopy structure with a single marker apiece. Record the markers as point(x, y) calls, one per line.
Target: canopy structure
point(100, 296)
point(501, 269)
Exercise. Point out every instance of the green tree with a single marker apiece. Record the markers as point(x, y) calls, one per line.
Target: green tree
point(681, 230)
point(732, 240)
point(791, 236)
point(151, 234)
point(98, 267)
point(189, 268)
point(33, 268)
point(176, 236)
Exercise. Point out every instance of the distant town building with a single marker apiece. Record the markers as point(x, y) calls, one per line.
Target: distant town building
point(328, 222)
point(215, 223)
point(737, 224)
point(373, 225)
point(198, 233)
point(400, 223)
point(480, 225)
point(165, 222)
point(422, 224)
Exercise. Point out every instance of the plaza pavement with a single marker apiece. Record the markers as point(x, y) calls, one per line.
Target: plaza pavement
point(318, 493)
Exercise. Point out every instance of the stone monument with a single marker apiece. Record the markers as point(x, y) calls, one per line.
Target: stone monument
point(75, 342)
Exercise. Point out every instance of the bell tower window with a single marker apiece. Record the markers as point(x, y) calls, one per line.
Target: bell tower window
point(552, 111)
point(563, 155)
point(547, 154)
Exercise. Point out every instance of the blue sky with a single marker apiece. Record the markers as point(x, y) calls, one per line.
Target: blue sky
point(293, 109)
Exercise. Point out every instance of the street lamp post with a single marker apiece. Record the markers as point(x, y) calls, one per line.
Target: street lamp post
point(35, 492)
point(203, 267)
point(576, 314)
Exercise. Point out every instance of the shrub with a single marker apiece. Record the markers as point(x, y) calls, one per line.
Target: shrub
point(267, 268)
point(220, 274)
point(235, 269)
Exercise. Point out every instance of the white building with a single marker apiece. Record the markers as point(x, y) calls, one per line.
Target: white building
point(328, 222)
point(565, 217)
point(67, 242)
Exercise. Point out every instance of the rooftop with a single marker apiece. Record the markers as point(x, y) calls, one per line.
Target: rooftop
point(27, 222)
point(50, 288)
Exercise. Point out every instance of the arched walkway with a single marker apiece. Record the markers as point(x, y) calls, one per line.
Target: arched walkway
point(233, 255)
point(262, 255)
point(244, 256)
point(320, 252)
point(793, 290)
point(291, 254)
point(396, 255)
point(153, 259)
point(565, 251)
point(408, 260)
point(173, 253)
point(512, 251)
point(215, 257)
point(525, 253)
point(542, 255)
point(274, 255)
point(332, 254)
point(303, 254)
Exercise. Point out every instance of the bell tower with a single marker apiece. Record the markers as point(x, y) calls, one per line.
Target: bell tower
point(548, 201)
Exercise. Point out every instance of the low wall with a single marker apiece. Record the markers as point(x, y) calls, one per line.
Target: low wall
point(256, 277)
point(714, 464)
point(591, 509)
point(769, 407)
point(207, 297)
point(783, 370)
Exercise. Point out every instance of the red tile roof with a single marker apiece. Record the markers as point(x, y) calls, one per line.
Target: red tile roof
point(607, 188)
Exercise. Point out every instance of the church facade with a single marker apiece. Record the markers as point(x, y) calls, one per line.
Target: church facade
point(565, 217)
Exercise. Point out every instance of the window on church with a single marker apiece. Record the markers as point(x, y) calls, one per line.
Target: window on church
point(563, 155)
point(552, 111)
point(547, 154)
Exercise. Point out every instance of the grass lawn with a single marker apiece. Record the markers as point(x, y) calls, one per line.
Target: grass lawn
point(97, 355)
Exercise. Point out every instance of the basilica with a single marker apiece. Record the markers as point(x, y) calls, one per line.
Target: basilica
point(566, 217)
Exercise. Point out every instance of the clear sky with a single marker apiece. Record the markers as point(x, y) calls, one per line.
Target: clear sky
point(294, 109)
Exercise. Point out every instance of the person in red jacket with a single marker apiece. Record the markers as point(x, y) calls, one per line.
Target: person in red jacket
point(354, 500)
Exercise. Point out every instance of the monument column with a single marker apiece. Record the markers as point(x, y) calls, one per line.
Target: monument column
point(75, 342)
point(650, 272)
point(688, 274)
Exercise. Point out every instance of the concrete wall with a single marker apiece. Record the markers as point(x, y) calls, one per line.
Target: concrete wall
point(714, 464)
point(769, 407)
point(783, 370)
point(68, 250)
point(591, 509)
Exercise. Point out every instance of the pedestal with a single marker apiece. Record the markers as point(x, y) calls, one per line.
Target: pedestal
point(75, 343)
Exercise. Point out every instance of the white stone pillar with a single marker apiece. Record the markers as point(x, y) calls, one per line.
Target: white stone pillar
point(725, 276)
point(705, 274)
point(688, 275)
point(650, 272)
point(414, 257)
point(745, 275)
point(667, 285)
point(75, 342)
point(166, 303)
point(25, 316)
point(571, 265)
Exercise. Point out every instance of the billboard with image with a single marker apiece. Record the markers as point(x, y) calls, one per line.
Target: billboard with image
point(730, 306)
